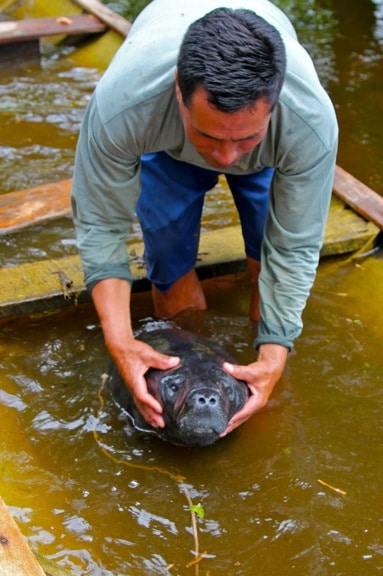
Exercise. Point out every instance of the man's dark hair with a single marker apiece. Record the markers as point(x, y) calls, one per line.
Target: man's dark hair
point(236, 56)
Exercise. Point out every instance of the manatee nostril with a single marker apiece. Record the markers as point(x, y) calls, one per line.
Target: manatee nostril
point(207, 400)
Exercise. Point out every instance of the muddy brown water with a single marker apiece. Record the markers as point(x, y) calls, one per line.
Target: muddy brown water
point(298, 488)
point(101, 502)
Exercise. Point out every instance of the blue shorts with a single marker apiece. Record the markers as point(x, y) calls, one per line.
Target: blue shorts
point(170, 207)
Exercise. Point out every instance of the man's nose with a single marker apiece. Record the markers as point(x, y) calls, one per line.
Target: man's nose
point(225, 153)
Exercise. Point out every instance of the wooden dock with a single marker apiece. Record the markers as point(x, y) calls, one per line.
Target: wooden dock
point(49, 284)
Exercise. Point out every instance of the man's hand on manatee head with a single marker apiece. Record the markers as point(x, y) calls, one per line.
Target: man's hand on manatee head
point(133, 364)
point(261, 377)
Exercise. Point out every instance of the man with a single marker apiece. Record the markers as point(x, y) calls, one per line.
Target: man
point(196, 91)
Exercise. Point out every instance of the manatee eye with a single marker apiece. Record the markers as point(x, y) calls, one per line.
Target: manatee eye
point(172, 384)
point(228, 384)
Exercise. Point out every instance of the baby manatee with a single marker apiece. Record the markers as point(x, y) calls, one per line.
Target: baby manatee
point(198, 397)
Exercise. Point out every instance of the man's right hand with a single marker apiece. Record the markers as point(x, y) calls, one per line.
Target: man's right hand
point(133, 362)
point(132, 357)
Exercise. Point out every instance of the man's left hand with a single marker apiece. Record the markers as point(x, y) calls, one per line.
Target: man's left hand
point(261, 377)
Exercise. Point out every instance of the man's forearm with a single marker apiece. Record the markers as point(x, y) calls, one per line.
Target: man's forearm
point(276, 357)
point(111, 298)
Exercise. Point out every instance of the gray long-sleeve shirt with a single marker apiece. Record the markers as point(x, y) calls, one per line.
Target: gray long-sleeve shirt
point(134, 111)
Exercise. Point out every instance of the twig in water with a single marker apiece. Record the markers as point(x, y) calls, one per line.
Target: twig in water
point(331, 487)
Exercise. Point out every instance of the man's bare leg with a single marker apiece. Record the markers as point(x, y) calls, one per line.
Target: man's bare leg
point(185, 293)
point(255, 268)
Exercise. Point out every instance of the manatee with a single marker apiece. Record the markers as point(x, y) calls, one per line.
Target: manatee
point(198, 397)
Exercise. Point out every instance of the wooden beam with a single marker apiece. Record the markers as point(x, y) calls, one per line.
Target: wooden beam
point(34, 28)
point(34, 205)
point(360, 197)
point(52, 284)
point(16, 558)
point(113, 20)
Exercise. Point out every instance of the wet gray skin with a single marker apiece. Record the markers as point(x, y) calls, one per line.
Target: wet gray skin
point(198, 397)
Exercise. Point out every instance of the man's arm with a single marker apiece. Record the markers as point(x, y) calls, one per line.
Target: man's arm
point(132, 357)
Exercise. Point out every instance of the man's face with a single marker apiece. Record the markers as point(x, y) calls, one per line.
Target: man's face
point(222, 138)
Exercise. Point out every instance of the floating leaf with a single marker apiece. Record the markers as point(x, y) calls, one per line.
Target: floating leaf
point(198, 509)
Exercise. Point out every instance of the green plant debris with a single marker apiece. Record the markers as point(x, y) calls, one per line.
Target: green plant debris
point(198, 510)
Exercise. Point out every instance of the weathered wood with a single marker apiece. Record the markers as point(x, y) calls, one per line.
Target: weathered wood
point(360, 197)
point(346, 231)
point(34, 205)
point(33, 28)
point(50, 284)
point(16, 558)
point(113, 20)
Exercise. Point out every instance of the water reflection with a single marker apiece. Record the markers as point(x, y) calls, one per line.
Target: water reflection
point(41, 109)
point(356, 91)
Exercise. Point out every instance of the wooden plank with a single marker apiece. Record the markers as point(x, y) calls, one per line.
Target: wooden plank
point(33, 28)
point(34, 205)
point(50, 284)
point(360, 197)
point(16, 558)
point(346, 231)
point(113, 20)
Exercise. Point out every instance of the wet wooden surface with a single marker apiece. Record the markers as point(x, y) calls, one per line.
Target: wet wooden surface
point(34, 205)
point(360, 197)
point(34, 28)
point(50, 284)
point(113, 20)
point(16, 558)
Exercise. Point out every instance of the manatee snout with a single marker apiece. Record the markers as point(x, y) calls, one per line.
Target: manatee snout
point(206, 399)
point(204, 413)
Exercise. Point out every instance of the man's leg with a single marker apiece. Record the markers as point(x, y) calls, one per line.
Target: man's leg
point(169, 210)
point(251, 196)
point(186, 292)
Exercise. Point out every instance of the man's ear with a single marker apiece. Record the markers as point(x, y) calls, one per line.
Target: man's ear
point(178, 91)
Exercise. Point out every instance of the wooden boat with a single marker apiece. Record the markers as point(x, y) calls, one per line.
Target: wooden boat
point(55, 283)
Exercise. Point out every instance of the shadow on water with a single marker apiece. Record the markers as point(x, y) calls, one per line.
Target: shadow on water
point(100, 500)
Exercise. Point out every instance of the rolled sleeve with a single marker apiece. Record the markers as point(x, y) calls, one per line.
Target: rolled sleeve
point(294, 231)
point(106, 186)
